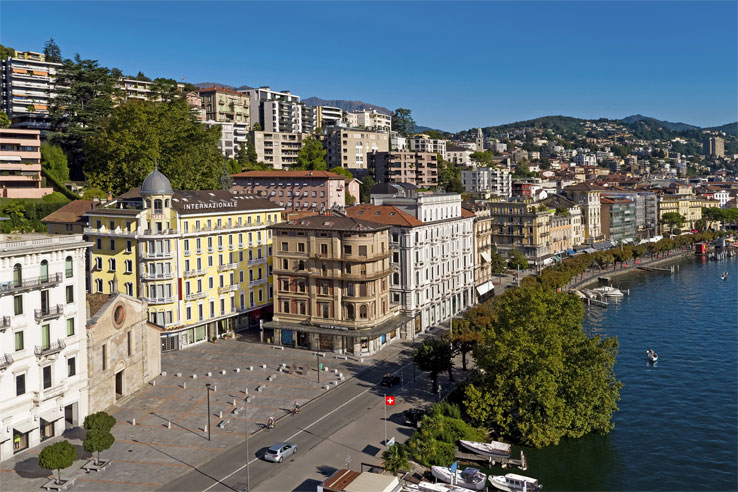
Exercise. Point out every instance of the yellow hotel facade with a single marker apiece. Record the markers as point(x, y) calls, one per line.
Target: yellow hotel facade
point(201, 259)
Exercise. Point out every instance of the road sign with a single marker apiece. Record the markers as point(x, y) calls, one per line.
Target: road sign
point(391, 442)
point(389, 400)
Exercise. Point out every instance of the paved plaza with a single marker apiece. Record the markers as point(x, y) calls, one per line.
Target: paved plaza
point(169, 437)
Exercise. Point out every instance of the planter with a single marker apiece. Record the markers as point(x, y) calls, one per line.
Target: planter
point(91, 466)
point(63, 485)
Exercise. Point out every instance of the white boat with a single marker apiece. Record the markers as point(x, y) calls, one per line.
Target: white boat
point(513, 482)
point(493, 449)
point(431, 487)
point(468, 478)
point(724, 275)
point(608, 291)
point(652, 356)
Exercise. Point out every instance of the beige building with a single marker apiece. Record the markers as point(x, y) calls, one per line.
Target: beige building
point(327, 116)
point(483, 275)
point(715, 147)
point(688, 206)
point(369, 120)
point(331, 285)
point(417, 168)
point(279, 150)
point(588, 197)
point(225, 105)
point(141, 90)
point(349, 148)
point(20, 164)
point(123, 349)
point(519, 223)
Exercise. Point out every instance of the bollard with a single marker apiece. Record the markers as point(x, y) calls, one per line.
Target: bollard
point(205, 429)
point(234, 402)
point(209, 374)
point(169, 424)
point(263, 366)
point(220, 414)
point(251, 368)
point(222, 371)
point(133, 422)
point(215, 388)
point(246, 391)
point(163, 373)
point(184, 385)
point(238, 369)
point(153, 382)
point(179, 374)
point(194, 376)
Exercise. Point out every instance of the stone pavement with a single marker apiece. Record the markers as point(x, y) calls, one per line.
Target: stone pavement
point(170, 437)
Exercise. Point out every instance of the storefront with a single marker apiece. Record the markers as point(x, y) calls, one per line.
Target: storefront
point(22, 435)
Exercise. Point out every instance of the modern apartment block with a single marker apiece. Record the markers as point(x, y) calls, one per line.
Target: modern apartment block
point(487, 180)
point(297, 190)
point(278, 149)
point(331, 285)
point(423, 143)
point(618, 218)
point(201, 259)
point(28, 85)
point(141, 90)
point(328, 116)
point(43, 344)
point(20, 164)
point(349, 148)
point(483, 248)
point(646, 213)
point(225, 105)
point(417, 168)
point(281, 112)
point(461, 156)
point(369, 120)
point(715, 147)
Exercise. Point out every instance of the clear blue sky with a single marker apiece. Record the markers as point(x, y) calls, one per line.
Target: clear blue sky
point(456, 65)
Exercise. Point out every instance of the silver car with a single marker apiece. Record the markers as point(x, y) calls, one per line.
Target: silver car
point(280, 451)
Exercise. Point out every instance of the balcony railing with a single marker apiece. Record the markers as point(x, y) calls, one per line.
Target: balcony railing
point(159, 300)
point(51, 312)
point(195, 295)
point(256, 261)
point(4, 322)
point(164, 232)
point(194, 273)
point(158, 255)
point(52, 349)
point(48, 393)
point(31, 283)
point(5, 360)
point(227, 266)
point(228, 288)
point(258, 281)
point(157, 276)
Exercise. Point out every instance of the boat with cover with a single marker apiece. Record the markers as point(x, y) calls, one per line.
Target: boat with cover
point(468, 478)
point(493, 449)
point(512, 482)
point(651, 355)
point(431, 487)
point(608, 291)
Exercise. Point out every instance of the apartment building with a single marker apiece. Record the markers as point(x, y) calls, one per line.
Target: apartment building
point(442, 261)
point(195, 101)
point(141, 90)
point(487, 180)
point(588, 197)
point(646, 211)
point(227, 143)
point(331, 285)
point(297, 190)
point(278, 150)
point(585, 160)
point(563, 239)
point(28, 86)
point(423, 143)
point(518, 223)
point(225, 105)
point(417, 168)
point(201, 259)
point(461, 156)
point(483, 248)
point(688, 206)
point(618, 218)
point(43, 344)
point(328, 116)
point(715, 147)
point(20, 164)
point(349, 148)
point(258, 111)
point(369, 120)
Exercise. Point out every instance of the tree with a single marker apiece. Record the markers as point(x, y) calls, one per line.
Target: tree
point(54, 161)
point(256, 127)
point(4, 120)
point(92, 193)
point(142, 77)
point(6, 52)
point(57, 456)
point(449, 176)
point(365, 190)
point(99, 421)
point(52, 52)
point(123, 150)
point(165, 89)
point(246, 154)
point(498, 262)
point(311, 156)
point(517, 260)
point(434, 356)
point(673, 220)
point(542, 377)
point(464, 339)
point(97, 440)
point(395, 459)
point(522, 170)
point(343, 172)
point(403, 122)
point(483, 158)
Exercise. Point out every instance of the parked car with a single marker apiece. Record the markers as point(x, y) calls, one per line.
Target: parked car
point(390, 380)
point(414, 416)
point(280, 451)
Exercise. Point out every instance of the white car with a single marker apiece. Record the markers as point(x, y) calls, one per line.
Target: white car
point(280, 451)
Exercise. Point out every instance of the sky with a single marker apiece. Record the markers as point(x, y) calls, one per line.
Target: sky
point(456, 65)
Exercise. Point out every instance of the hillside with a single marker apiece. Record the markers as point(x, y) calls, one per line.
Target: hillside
point(349, 106)
point(666, 124)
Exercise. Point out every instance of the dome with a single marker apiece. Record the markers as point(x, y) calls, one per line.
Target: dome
point(156, 184)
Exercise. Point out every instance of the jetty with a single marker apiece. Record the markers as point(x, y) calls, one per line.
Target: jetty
point(489, 461)
point(670, 269)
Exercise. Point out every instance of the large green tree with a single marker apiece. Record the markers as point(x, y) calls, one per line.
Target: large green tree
point(365, 189)
point(57, 456)
point(435, 356)
point(517, 260)
point(97, 440)
point(52, 52)
point(542, 378)
point(4, 120)
point(311, 156)
point(449, 176)
point(403, 122)
point(499, 263)
point(54, 161)
point(673, 220)
point(6, 52)
point(139, 133)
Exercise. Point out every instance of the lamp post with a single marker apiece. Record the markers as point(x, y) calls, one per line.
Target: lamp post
point(207, 389)
point(246, 411)
point(317, 364)
point(413, 328)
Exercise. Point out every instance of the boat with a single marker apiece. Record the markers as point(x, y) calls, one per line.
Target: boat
point(608, 291)
point(724, 275)
point(468, 478)
point(652, 356)
point(493, 449)
point(431, 487)
point(512, 482)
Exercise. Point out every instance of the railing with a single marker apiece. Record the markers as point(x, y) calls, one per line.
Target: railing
point(52, 312)
point(5, 360)
point(228, 288)
point(54, 348)
point(157, 255)
point(187, 252)
point(194, 273)
point(31, 283)
point(164, 232)
point(256, 261)
point(227, 266)
point(158, 300)
point(4, 322)
point(194, 296)
point(258, 281)
point(157, 276)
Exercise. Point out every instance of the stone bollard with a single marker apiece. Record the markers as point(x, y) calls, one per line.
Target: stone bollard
point(184, 385)
point(215, 388)
point(335, 371)
point(163, 373)
point(194, 376)
point(153, 382)
point(251, 368)
point(208, 374)
point(234, 402)
point(326, 386)
point(205, 429)
point(179, 374)
point(222, 371)
point(238, 369)
point(169, 424)
point(133, 422)
point(220, 414)
point(246, 391)
point(263, 366)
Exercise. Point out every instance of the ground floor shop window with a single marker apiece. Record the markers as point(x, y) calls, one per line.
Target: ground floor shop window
point(20, 441)
point(47, 429)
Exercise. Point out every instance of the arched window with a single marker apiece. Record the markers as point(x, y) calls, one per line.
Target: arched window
point(69, 267)
point(157, 205)
point(362, 311)
point(17, 275)
point(44, 271)
point(350, 312)
point(395, 278)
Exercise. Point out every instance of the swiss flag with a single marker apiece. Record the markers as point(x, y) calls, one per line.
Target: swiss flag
point(389, 400)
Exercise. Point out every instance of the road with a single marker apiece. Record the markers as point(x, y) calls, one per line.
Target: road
point(349, 418)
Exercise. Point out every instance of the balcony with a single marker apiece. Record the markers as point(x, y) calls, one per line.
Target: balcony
point(195, 296)
point(5, 361)
point(227, 266)
point(159, 300)
point(228, 288)
point(257, 261)
point(158, 255)
point(52, 349)
point(194, 273)
point(48, 393)
point(157, 276)
point(49, 313)
point(163, 232)
point(4, 322)
point(258, 281)
point(31, 284)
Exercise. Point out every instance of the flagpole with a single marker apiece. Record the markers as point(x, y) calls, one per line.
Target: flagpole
point(385, 420)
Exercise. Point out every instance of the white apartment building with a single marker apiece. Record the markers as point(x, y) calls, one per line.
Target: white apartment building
point(27, 86)
point(487, 180)
point(226, 144)
point(585, 160)
point(277, 111)
point(328, 116)
point(423, 143)
point(370, 120)
point(43, 343)
point(460, 156)
point(397, 141)
point(432, 257)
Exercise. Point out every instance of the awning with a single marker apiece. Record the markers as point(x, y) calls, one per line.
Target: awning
point(52, 415)
point(588, 250)
point(4, 437)
point(24, 427)
point(393, 324)
point(486, 257)
point(485, 287)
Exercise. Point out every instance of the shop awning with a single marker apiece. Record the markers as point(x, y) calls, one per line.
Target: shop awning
point(386, 327)
point(4, 437)
point(485, 287)
point(52, 415)
point(24, 427)
point(486, 257)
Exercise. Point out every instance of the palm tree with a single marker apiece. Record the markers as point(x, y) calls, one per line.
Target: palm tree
point(395, 459)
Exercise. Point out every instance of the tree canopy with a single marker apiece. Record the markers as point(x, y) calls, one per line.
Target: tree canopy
point(365, 190)
point(403, 122)
point(57, 456)
point(449, 176)
point(139, 133)
point(517, 260)
point(52, 52)
point(99, 421)
point(673, 219)
point(311, 156)
point(435, 356)
point(4, 120)
point(6, 52)
point(54, 161)
point(97, 440)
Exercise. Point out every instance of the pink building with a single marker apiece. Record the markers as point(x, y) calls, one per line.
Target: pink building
point(20, 164)
point(297, 190)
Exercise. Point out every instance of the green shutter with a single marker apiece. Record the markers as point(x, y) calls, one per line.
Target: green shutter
point(70, 327)
point(18, 340)
point(45, 342)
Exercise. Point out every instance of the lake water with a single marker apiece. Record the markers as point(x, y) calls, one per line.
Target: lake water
point(677, 424)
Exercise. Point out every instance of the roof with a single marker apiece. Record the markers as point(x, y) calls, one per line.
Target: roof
point(559, 201)
point(71, 213)
point(383, 214)
point(334, 221)
point(217, 88)
point(340, 479)
point(289, 174)
point(466, 213)
point(156, 184)
point(97, 301)
point(584, 187)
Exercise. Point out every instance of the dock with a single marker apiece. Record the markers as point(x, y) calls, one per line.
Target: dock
point(671, 269)
point(488, 461)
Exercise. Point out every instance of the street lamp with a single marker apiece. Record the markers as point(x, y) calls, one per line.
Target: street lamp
point(246, 411)
point(207, 389)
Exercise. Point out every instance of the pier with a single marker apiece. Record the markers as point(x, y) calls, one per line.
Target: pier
point(670, 269)
point(489, 461)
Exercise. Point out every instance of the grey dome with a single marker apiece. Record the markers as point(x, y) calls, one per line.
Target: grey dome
point(156, 184)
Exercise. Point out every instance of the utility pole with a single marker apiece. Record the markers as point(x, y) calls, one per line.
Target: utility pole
point(385, 420)
point(207, 389)
point(248, 475)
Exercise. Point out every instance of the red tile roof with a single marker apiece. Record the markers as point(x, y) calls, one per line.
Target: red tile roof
point(288, 174)
point(383, 214)
point(71, 213)
point(217, 88)
point(466, 213)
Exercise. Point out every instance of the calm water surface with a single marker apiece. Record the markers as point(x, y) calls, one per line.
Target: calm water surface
point(677, 426)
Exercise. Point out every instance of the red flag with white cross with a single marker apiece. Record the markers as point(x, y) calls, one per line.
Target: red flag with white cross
point(389, 400)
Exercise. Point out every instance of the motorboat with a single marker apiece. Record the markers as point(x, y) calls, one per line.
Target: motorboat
point(493, 449)
point(724, 275)
point(468, 478)
point(652, 356)
point(431, 487)
point(608, 291)
point(512, 482)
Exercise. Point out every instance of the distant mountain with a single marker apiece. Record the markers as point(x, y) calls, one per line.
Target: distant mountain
point(679, 127)
point(349, 106)
point(424, 129)
point(203, 85)
point(730, 129)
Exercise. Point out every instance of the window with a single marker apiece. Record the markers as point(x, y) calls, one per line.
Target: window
point(323, 249)
point(71, 367)
point(285, 246)
point(68, 267)
point(362, 250)
point(112, 245)
point(104, 357)
point(18, 305)
point(188, 313)
point(45, 337)
point(129, 344)
point(111, 265)
point(17, 275)
point(301, 247)
point(129, 288)
point(18, 341)
point(347, 249)
point(286, 307)
point(98, 262)
point(362, 311)
point(99, 244)
point(20, 384)
point(70, 294)
point(46, 372)
point(70, 327)
point(325, 310)
point(98, 285)
point(395, 257)
point(44, 271)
